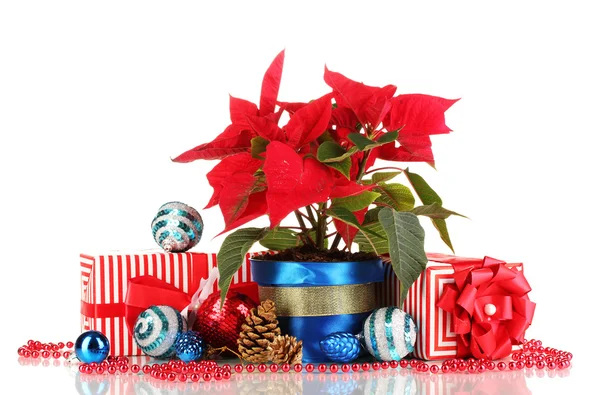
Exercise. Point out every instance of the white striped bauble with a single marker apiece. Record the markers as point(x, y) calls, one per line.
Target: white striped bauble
point(156, 330)
point(389, 334)
point(177, 227)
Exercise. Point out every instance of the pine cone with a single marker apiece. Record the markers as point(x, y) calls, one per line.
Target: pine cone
point(259, 330)
point(286, 349)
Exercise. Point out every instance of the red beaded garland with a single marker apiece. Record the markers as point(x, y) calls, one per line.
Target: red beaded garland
point(532, 354)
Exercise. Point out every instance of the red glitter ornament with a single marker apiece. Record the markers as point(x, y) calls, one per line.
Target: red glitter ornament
point(221, 327)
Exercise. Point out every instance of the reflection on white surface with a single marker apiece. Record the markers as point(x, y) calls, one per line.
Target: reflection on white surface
point(390, 381)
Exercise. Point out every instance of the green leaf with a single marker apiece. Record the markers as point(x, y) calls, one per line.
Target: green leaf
point(442, 228)
point(434, 211)
point(325, 137)
point(387, 137)
point(406, 247)
point(346, 216)
point(343, 166)
point(258, 146)
point(233, 252)
point(360, 141)
point(375, 244)
point(384, 176)
point(280, 239)
point(372, 215)
point(329, 152)
point(356, 202)
point(428, 196)
point(363, 143)
point(423, 190)
point(397, 196)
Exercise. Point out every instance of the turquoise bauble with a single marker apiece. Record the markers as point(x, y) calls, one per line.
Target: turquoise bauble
point(389, 334)
point(177, 227)
point(157, 329)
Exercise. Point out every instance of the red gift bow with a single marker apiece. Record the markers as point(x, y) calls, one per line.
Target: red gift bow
point(146, 291)
point(477, 284)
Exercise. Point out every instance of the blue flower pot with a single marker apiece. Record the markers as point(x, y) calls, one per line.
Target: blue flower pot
point(315, 299)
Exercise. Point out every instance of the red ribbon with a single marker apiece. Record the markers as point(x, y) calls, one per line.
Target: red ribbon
point(487, 282)
point(146, 291)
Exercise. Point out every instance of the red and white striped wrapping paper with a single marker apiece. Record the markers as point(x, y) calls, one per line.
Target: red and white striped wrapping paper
point(435, 337)
point(104, 281)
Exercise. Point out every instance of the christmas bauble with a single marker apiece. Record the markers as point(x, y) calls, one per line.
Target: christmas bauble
point(189, 346)
point(177, 227)
point(341, 347)
point(156, 330)
point(389, 334)
point(221, 327)
point(92, 346)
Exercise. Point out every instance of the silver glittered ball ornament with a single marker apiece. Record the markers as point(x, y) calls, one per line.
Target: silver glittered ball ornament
point(156, 330)
point(177, 227)
point(389, 334)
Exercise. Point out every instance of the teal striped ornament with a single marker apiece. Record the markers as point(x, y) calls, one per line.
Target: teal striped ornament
point(389, 334)
point(156, 330)
point(177, 227)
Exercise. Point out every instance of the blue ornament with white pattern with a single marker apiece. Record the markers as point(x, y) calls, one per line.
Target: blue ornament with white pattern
point(156, 330)
point(341, 347)
point(177, 227)
point(189, 346)
point(389, 334)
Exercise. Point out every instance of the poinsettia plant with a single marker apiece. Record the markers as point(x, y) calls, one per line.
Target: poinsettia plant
point(319, 167)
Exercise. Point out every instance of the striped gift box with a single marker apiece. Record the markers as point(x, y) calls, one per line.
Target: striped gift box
point(104, 287)
point(435, 339)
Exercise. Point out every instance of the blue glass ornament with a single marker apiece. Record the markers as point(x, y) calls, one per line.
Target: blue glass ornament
point(92, 346)
point(389, 334)
point(177, 227)
point(341, 347)
point(156, 330)
point(189, 346)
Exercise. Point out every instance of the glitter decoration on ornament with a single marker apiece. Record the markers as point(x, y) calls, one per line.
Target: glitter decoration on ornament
point(156, 330)
point(189, 346)
point(389, 334)
point(221, 327)
point(177, 227)
point(92, 346)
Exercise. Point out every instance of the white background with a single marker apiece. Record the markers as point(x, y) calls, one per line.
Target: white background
point(96, 97)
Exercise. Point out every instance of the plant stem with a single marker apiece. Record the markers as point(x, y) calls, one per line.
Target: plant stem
point(311, 216)
point(336, 241)
point(304, 235)
point(363, 164)
point(383, 168)
point(321, 227)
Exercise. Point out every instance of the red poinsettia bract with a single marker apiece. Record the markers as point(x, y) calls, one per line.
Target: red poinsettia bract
point(270, 169)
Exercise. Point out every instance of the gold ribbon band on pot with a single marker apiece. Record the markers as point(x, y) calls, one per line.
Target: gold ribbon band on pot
point(321, 301)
